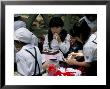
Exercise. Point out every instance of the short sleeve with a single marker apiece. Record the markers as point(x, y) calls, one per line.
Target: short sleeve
point(64, 46)
point(88, 53)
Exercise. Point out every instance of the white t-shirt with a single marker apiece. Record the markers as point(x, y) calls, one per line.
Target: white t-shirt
point(90, 49)
point(63, 46)
point(26, 62)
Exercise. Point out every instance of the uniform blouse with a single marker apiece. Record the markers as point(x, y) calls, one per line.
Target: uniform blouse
point(90, 49)
point(63, 46)
point(26, 62)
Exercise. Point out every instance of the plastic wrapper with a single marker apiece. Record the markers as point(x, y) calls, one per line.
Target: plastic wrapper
point(54, 71)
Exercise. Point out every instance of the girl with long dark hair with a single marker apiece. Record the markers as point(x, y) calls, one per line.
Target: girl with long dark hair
point(89, 49)
point(57, 38)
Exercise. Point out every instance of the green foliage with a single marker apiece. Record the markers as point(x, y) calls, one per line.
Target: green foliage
point(39, 27)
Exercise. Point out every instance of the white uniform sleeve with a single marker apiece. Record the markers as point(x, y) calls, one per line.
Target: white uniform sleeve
point(64, 46)
point(45, 45)
point(88, 53)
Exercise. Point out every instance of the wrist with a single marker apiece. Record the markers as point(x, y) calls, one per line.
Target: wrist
point(75, 62)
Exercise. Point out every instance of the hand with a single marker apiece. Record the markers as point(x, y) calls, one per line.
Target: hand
point(54, 36)
point(46, 65)
point(57, 37)
point(45, 50)
point(78, 39)
point(71, 61)
point(76, 54)
point(71, 55)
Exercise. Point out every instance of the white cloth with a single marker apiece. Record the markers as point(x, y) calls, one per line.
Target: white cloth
point(23, 35)
point(92, 24)
point(90, 49)
point(26, 62)
point(75, 71)
point(18, 24)
point(59, 56)
point(63, 46)
point(34, 40)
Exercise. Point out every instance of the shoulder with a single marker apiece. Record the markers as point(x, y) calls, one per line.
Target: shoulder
point(36, 48)
point(30, 48)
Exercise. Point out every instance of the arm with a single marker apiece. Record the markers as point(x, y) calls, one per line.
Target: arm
point(64, 46)
point(88, 56)
point(45, 45)
point(74, 62)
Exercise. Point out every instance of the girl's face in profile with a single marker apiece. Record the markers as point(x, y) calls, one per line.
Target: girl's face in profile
point(56, 30)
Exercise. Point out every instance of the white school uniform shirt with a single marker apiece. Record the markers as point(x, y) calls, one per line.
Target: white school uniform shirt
point(26, 62)
point(63, 46)
point(18, 24)
point(90, 49)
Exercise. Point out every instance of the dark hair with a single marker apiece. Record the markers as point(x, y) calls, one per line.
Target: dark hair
point(56, 22)
point(91, 17)
point(75, 31)
point(17, 18)
point(63, 35)
point(83, 29)
point(19, 42)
